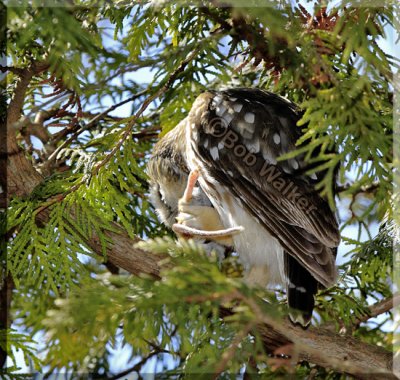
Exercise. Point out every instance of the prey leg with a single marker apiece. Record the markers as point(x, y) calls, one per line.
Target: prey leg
point(192, 180)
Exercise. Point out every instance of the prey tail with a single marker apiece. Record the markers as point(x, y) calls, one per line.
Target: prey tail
point(189, 231)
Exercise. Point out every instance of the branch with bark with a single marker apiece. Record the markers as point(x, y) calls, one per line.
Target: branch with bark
point(380, 307)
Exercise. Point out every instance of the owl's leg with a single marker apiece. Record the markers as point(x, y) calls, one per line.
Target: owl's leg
point(201, 221)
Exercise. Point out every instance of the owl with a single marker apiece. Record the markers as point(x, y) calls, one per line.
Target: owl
point(216, 178)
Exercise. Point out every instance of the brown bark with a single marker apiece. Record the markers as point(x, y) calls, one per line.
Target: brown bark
point(20, 177)
point(381, 307)
point(122, 251)
point(329, 349)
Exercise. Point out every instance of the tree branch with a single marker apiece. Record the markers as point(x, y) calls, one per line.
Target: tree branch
point(12, 69)
point(329, 349)
point(19, 178)
point(122, 251)
point(380, 307)
point(323, 347)
point(15, 107)
point(138, 366)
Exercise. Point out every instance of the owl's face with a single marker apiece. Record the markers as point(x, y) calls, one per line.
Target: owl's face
point(167, 186)
point(165, 195)
point(168, 173)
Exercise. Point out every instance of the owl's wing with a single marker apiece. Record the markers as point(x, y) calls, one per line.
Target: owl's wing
point(235, 138)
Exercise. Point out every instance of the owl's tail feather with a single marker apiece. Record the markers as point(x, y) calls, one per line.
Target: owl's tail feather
point(301, 288)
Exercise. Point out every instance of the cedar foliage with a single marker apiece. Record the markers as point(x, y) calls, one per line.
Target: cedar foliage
point(329, 61)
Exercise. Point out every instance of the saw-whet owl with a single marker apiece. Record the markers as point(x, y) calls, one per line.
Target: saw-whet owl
point(267, 210)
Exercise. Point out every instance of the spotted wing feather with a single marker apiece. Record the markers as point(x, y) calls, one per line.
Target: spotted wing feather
point(237, 136)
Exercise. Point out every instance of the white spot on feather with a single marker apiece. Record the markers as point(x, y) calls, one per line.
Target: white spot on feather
point(249, 117)
point(253, 146)
point(214, 153)
point(295, 164)
point(313, 176)
point(217, 99)
point(237, 107)
point(277, 138)
point(245, 130)
point(220, 110)
point(228, 117)
point(245, 127)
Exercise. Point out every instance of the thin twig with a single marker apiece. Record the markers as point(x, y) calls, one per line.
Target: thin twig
point(15, 70)
point(380, 307)
point(137, 367)
point(146, 103)
point(20, 124)
point(17, 101)
point(230, 352)
point(127, 130)
point(91, 123)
